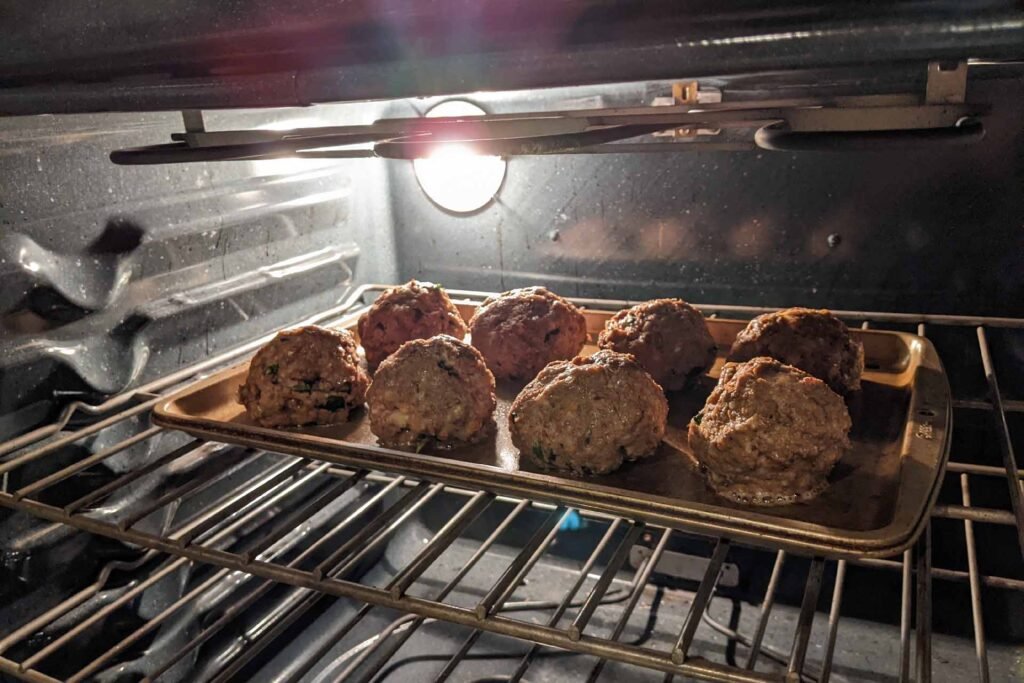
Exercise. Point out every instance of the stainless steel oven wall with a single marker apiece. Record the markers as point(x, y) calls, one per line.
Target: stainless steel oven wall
point(934, 230)
point(112, 275)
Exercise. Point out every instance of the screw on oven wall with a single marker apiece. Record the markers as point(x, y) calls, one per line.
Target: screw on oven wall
point(554, 235)
point(834, 240)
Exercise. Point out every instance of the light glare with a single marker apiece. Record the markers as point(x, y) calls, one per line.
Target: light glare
point(454, 176)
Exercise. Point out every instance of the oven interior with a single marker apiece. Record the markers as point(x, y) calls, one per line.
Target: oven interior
point(133, 552)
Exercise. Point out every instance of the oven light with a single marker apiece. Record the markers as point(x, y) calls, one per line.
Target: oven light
point(454, 176)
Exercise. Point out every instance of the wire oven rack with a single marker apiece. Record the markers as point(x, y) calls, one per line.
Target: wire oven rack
point(325, 567)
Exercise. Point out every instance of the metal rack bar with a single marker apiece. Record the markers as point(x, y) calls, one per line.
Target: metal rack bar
point(984, 515)
point(905, 616)
point(86, 463)
point(379, 538)
point(49, 615)
point(72, 601)
point(240, 517)
point(508, 582)
point(266, 585)
point(453, 582)
point(1003, 432)
point(972, 563)
point(806, 618)
point(833, 621)
point(924, 606)
point(700, 600)
point(256, 645)
point(71, 438)
point(129, 477)
point(522, 563)
point(603, 648)
point(245, 497)
point(406, 507)
point(294, 519)
point(643, 573)
point(766, 609)
point(770, 652)
point(460, 654)
point(72, 633)
point(192, 486)
point(954, 575)
point(524, 663)
point(1009, 405)
point(605, 580)
point(448, 533)
point(984, 470)
point(230, 525)
point(30, 675)
point(441, 540)
point(148, 627)
point(376, 525)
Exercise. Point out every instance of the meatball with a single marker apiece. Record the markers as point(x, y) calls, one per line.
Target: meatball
point(769, 433)
point(668, 337)
point(309, 375)
point(521, 331)
point(415, 310)
point(589, 414)
point(435, 390)
point(814, 341)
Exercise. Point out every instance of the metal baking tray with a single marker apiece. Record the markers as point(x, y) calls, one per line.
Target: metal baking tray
point(878, 502)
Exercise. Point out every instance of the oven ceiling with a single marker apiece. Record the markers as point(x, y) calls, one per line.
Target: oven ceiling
point(99, 55)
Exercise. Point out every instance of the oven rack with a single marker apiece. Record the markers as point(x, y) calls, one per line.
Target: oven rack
point(205, 539)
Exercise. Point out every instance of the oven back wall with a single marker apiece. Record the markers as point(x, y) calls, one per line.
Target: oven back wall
point(112, 275)
point(934, 231)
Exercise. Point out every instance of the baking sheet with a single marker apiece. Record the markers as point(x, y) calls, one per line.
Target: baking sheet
point(880, 494)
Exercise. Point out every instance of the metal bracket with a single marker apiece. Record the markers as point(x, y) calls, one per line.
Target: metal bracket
point(683, 566)
point(688, 93)
point(946, 84)
point(193, 119)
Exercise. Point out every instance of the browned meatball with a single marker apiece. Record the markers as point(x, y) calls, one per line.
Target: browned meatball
point(309, 375)
point(813, 340)
point(432, 391)
point(769, 433)
point(521, 331)
point(668, 337)
point(589, 414)
point(415, 310)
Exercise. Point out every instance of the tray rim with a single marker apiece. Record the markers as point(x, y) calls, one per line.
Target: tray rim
point(751, 525)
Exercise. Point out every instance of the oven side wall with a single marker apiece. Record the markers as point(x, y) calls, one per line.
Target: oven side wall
point(114, 275)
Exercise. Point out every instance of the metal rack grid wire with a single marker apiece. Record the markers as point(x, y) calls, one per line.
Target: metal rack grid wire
point(325, 567)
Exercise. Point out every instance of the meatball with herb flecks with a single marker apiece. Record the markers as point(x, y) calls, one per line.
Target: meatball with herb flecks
point(308, 375)
point(435, 391)
point(588, 415)
point(815, 341)
point(668, 337)
point(415, 310)
point(522, 330)
point(769, 433)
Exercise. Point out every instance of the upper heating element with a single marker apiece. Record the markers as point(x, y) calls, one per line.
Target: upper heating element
point(690, 122)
